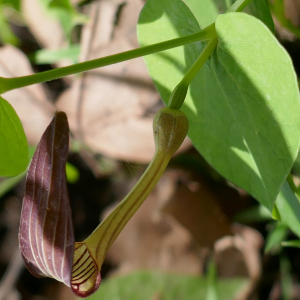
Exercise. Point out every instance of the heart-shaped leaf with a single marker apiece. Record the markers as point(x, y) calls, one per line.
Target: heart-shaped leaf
point(243, 105)
point(206, 11)
point(13, 142)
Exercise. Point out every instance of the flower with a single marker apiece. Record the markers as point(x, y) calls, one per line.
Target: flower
point(46, 235)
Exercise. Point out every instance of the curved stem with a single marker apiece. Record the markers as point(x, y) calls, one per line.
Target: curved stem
point(177, 97)
point(7, 84)
point(104, 235)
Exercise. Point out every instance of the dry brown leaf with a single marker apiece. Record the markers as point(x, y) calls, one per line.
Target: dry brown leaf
point(154, 241)
point(246, 241)
point(30, 102)
point(195, 206)
point(45, 29)
point(174, 229)
point(111, 109)
point(282, 32)
point(98, 32)
point(126, 26)
point(239, 256)
point(236, 247)
point(292, 11)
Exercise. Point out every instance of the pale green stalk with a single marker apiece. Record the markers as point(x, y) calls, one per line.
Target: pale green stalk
point(177, 97)
point(105, 234)
point(170, 127)
point(7, 84)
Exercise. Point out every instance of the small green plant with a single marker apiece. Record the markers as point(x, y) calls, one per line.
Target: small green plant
point(232, 81)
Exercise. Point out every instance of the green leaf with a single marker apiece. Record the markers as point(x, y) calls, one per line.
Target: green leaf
point(147, 285)
point(72, 173)
point(243, 105)
point(45, 56)
point(275, 237)
point(276, 213)
point(65, 13)
point(15, 4)
point(6, 34)
point(289, 207)
point(206, 11)
point(294, 243)
point(260, 9)
point(66, 4)
point(258, 213)
point(13, 142)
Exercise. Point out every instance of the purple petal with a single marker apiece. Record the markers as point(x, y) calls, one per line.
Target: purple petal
point(46, 235)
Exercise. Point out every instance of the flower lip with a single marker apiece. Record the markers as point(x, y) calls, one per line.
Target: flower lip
point(85, 274)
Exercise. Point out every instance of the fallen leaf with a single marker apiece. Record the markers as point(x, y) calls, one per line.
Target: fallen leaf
point(31, 102)
point(45, 29)
point(239, 255)
point(292, 11)
point(126, 26)
point(196, 207)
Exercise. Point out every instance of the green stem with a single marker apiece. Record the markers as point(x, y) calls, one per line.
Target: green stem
point(210, 47)
point(177, 97)
point(238, 6)
point(104, 235)
point(292, 185)
point(7, 84)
